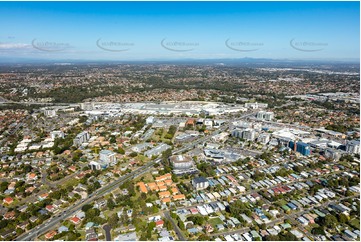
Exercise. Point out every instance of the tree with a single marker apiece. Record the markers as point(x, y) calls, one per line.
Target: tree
point(110, 203)
point(342, 218)
point(318, 231)
point(112, 139)
point(72, 236)
point(120, 150)
point(272, 238)
point(181, 225)
point(113, 220)
point(168, 224)
point(204, 237)
point(175, 178)
point(4, 185)
point(133, 154)
point(288, 237)
point(196, 219)
point(55, 195)
point(174, 215)
point(3, 224)
point(86, 207)
point(330, 221)
point(92, 213)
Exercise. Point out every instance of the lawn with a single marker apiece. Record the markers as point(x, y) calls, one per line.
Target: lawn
point(142, 158)
point(215, 221)
point(281, 202)
point(355, 223)
point(147, 177)
point(72, 182)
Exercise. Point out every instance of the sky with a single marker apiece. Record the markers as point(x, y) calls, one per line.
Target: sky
point(179, 30)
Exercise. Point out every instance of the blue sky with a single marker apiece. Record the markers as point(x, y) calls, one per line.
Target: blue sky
point(178, 30)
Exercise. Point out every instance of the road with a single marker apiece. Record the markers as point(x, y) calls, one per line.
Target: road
point(30, 235)
point(175, 226)
point(50, 184)
point(107, 228)
point(14, 130)
point(291, 217)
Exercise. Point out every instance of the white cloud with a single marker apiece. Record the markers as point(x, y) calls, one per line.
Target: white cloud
point(8, 46)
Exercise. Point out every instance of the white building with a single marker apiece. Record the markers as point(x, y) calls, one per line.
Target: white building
point(107, 156)
point(149, 120)
point(87, 106)
point(248, 134)
point(208, 123)
point(332, 154)
point(94, 165)
point(57, 134)
point(81, 138)
point(264, 138)
point(256, 105)
point(237, 133)
point(262, 115)
point(141, 147)
point(353, 147)
point(269, 116)
point(181, 161)
point(157, 150)
point(49, 112)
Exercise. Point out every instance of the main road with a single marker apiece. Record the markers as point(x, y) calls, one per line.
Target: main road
point(33, 233)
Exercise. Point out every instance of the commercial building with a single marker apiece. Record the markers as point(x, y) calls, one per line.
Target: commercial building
point(300, 147)
point(181, 161)
point(157, 150)
point(50, 113)
point(141, 147)
point(88, 106)
point(332, 154)
point(236, 133)
point(149, 120)
point(263, 115)
point(256, 105)
point(248, 134)
point(214, 155)
point(353, 147)
point(184, 137)
point(263, 138)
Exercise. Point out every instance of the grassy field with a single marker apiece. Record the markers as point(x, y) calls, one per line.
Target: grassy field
point(355, 223)
point(281, 202)
point(147, 177)
point(72, 182)
point(159, 135)
point(215, 221)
